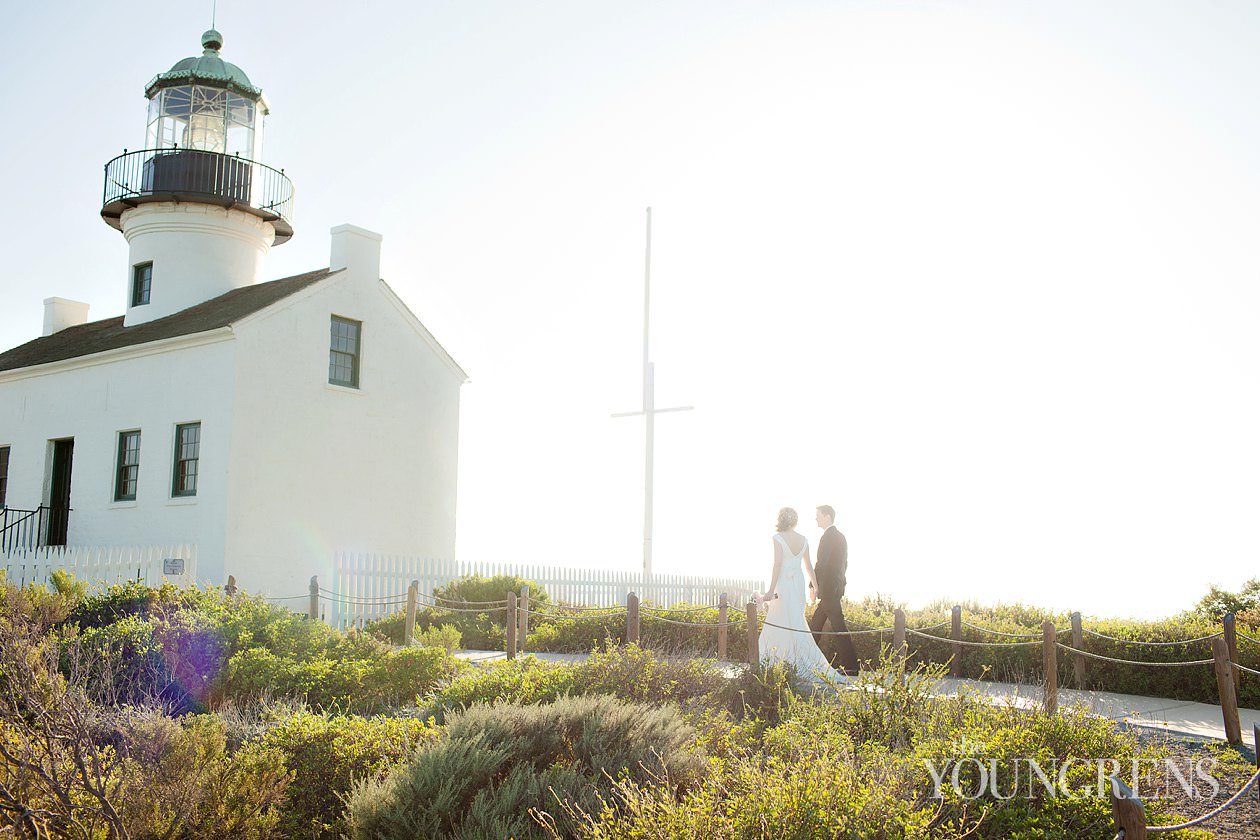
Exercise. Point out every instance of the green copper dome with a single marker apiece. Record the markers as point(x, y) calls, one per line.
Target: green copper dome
point(207, 68)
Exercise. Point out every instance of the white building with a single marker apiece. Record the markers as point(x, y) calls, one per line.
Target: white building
point(272, 424)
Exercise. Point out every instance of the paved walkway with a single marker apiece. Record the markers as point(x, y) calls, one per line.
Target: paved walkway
point(1184, 717)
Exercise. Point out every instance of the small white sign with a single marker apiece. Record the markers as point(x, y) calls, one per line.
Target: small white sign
point(173, 566)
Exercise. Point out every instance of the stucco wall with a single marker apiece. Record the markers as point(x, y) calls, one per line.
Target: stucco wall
point(92, 404)
point(198, 251)
point(293, 469)
point(318, 468)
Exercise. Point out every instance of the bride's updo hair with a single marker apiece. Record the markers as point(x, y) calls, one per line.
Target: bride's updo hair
point(787, 519)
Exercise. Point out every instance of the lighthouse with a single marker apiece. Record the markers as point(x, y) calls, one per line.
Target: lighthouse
point(197, 206)
point(220, 422)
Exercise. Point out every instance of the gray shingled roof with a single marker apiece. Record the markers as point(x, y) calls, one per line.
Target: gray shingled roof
point(110, 334)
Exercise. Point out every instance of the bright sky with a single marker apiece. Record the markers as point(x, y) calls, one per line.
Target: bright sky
point(983, 276)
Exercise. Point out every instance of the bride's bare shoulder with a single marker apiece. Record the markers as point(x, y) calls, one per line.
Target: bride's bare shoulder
point(794, 541)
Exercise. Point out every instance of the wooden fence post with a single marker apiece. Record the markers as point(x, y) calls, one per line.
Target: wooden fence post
point(1078, 642)
point(523, 611)
point(1225, 688)
point(632, 619)
point(754, 653)
point(723, 611)
point(230, 589)
point(1050, 664)
point(1231, 641)
point(955, 633)
point(899, 649)
point(511, 625)
point(409, 630)
point(313, 611)
point(1127, 810)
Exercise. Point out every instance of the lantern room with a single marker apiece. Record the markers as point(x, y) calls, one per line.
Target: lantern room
point(198, 208)
point(205, 103)
point(203, 143)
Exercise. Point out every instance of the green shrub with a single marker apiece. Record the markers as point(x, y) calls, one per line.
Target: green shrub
point(853, 764)
point(477, 630)
point(634, 673)
point(358, 674)
point(494, 764)
point(194, 654)
point(137, 599)
point(446, 638)
point(253, 623)
point(392, 628)
point(760, 694)
point(119, 663)
point(525, 680)
point(44, 607)
point(327, 755)
point(403, 675)
point(482, 630)
point(179, 781)
point(1023, 663)
point(476, 588)
point(626, 672)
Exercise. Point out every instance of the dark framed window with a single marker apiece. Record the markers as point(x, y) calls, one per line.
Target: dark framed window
point(343, 353)
point(4, 474)
point(141, 283)
point(187, 455)
point(127, 473)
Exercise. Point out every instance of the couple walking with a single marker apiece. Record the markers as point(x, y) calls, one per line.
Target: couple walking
point(785, 636)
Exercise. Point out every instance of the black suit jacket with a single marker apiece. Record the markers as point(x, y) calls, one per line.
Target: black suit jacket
point(833, 563)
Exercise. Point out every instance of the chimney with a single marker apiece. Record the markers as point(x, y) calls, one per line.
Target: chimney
point(60, 313)
point(356, 250)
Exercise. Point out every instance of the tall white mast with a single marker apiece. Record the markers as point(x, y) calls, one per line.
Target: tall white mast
point(650, 410)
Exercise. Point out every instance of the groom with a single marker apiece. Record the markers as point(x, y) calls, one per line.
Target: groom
point(830, 568)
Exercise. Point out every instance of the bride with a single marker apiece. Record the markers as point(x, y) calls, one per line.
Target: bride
point(785, 637)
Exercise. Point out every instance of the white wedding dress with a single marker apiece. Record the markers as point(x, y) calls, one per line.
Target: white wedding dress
point(782, 639)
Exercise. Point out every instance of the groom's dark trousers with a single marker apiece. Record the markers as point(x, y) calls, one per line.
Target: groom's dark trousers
point(832, 565)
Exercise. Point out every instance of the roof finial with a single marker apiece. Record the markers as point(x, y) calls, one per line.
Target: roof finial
point(212, 40)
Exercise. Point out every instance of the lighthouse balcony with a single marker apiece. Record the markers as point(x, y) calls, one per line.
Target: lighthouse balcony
point(192, 175)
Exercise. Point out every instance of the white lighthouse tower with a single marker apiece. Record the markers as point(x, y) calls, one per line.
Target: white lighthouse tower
point(198, 209)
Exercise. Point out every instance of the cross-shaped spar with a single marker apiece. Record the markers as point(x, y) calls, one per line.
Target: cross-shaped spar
point(649, 406)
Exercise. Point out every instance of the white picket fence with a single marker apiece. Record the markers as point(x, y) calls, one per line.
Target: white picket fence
point(368, 586)
point(104, 565)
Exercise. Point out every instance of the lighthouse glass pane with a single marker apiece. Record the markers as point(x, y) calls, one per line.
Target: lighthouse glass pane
point(240, 127)
point(207, 120)
point(168, 117)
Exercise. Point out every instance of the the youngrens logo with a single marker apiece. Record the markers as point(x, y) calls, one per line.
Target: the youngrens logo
point(972, 775)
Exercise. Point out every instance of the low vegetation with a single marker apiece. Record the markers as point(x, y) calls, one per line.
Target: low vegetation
point(178, 713)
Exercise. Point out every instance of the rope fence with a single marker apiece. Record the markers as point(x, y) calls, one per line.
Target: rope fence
point(1129, 813)
point(1157, 829)
point(587, 617)
point(517, 613)
point(1091, 655)
point(912, 631)
point(1155, 644)
point(999, 632)
point(768, 623)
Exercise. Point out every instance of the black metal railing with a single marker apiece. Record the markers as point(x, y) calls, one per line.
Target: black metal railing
point(193, 175)
point(22, 530)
